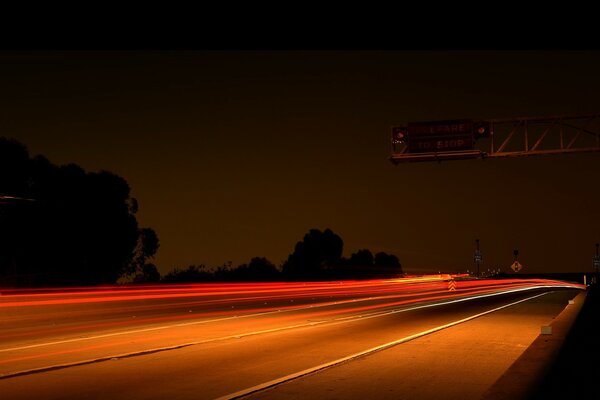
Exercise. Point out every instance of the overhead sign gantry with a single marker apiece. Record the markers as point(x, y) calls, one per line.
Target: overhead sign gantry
point(516, 137)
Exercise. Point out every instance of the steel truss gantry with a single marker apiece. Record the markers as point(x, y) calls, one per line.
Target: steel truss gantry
point(521, 137)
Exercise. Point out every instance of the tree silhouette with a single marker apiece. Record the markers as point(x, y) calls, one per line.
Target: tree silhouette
point(193, 273)
point(79, 228)
point(146, 248)
point(387, 264)
point(14, 167)
point(362, 257)
point(387, 260)
point(65, 226)
point(362, 265)
point(148, 274)
point(314, 256)
point(259, 269)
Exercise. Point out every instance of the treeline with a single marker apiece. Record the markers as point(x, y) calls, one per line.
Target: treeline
point(318, 256)
point(61, 225)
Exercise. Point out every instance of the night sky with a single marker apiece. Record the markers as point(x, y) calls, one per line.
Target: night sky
point(237, 154)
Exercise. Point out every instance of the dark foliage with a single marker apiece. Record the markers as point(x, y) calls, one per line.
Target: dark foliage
point(193, 273)
point(316, 257)
point(361, 257)
point(317, 253)
point(259, 269)
point(386, 260)
point(148, 274)
point(362, 265)
point(65, 226)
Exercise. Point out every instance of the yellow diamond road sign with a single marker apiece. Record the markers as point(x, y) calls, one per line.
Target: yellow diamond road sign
point(516, 266)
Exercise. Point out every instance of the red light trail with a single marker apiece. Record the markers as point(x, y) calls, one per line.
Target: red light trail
point(74, 324)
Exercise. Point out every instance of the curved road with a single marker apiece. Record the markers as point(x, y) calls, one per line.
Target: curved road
point(421, 337)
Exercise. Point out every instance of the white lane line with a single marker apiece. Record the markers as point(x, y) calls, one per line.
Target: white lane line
point(287, 378)
point(149, 351)
point(335, 321)
point(467, 298)
point(156, 328)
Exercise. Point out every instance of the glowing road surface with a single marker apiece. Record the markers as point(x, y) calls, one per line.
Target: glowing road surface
point(207, 341)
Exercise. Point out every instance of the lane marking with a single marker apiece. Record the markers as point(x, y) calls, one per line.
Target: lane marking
point(148, 351)
point(179, 325)
point(300, 308)
point(287, 378)
point(156, 328)
point(335, 321)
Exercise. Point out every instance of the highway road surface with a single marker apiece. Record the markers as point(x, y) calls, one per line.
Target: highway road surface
point(422, 337)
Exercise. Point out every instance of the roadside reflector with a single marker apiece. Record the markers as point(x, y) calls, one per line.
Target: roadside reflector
point(546, 330)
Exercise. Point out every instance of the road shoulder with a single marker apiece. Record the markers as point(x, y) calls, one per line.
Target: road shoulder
point(526, 375)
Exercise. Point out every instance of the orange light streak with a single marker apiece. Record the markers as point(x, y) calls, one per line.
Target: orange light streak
point(394, 293)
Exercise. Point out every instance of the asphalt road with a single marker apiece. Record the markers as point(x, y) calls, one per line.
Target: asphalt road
point(377, 339)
